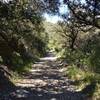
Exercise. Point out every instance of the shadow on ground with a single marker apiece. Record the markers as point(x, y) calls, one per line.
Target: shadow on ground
point(31, 93)
point(43, 82)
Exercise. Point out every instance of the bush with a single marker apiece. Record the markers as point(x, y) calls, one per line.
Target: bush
point(21, 65)
point(95, 60)
point(74, 73)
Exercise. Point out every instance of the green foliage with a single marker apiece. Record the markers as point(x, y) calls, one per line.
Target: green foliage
point(40, 45)
point(76, 57)
point(21, 65)
point(87, 56)
point(80, 77)
point(74, 73)
point(91, 48)
point(83, 78)
point(78, 74)
point(95, 60)
point(21, 31)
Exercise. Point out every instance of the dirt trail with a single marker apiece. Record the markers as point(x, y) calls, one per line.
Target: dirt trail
point(46, 75)
point(46, 82)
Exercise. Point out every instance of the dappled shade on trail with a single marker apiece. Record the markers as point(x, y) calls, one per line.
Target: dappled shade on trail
point(45, 82)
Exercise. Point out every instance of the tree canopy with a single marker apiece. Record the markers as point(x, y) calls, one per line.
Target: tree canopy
point(25, 36)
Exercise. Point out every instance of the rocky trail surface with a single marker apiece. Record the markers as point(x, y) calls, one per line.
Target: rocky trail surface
point(45, 81)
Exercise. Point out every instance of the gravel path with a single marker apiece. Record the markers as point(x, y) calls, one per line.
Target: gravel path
point(45, 82)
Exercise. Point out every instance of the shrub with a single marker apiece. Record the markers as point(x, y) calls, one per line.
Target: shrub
point(74, 73)
point(21, 65)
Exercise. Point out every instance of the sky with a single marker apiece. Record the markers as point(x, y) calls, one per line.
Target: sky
point(52, 18)
point(55, 18)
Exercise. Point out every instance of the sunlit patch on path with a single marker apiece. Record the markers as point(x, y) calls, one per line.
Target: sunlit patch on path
point(49, 58)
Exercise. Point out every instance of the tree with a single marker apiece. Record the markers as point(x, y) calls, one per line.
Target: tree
point(69, 29)
point(19, 24)
point(86, 13)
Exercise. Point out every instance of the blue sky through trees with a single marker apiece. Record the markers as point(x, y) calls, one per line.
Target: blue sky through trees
point(55, 18)
point(62, 10)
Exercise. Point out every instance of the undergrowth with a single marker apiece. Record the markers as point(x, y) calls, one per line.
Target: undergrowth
point(83, 78)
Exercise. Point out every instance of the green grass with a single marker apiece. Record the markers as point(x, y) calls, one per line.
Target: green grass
point(82, 78)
